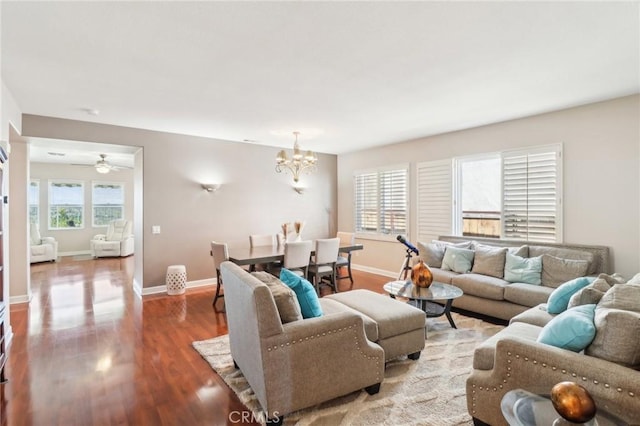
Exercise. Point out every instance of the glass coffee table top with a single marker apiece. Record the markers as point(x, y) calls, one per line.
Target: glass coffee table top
point(423, 297)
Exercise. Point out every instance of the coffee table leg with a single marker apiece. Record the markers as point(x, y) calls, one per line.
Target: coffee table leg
point(447, 312)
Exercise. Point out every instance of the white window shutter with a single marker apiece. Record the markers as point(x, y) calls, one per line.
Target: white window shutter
point(531, 208)
point(434, 196)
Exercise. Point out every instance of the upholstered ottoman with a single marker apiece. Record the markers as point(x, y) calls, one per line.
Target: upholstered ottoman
point(401, 327)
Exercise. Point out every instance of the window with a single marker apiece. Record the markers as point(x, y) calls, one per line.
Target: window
point(66, 204)
point(381, 201)
point(108, 202)
point(34, 201)
point(513, 195)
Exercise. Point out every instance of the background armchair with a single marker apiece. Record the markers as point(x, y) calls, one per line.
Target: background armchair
point(42, 249)
point(118, 241)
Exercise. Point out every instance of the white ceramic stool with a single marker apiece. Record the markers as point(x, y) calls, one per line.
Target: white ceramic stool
point(176, 279)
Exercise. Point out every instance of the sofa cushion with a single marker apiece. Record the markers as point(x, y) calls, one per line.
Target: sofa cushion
point(623, 296)
point(332, 307)
point(432, 253)
point(522, 251)
point(537, 315)
point(565, 253)
point(481, 285)
point(527, 294)
point(573, 329)
point(484, 354)
point(556, 271)
point(616, 338)
point(306, 294)
point(523, 270)
point(559, 299)
point(591, 293)
point(457, 259)
point(442, 276)
point(489, 260)
point(285, 298)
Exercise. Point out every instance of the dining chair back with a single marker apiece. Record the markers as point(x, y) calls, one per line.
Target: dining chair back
point(260, 240)
point(296, 256)
point(324, 262)
point(220, 253)
point(344, 259)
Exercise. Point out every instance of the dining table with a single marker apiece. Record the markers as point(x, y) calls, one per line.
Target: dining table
point(267, 254)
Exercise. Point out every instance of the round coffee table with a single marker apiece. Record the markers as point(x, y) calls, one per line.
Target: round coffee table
point(423, 297)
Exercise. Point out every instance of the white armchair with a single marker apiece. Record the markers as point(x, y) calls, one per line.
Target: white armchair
point(118, 241)
point(42, 249)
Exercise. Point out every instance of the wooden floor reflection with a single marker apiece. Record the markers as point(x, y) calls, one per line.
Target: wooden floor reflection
point(88, 351)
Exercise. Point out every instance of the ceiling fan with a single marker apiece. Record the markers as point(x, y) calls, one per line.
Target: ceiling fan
point(103, 166)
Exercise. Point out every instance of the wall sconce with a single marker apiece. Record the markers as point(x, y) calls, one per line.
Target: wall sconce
point(299, 189)
point(211, 187)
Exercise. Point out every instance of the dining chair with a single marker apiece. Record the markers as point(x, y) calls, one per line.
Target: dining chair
point(220, 253)
point(260, 240)
point(323, 263)
point(296, 257)
point(344, 259)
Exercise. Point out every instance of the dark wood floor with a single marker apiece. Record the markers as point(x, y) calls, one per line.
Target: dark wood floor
point(87, 351)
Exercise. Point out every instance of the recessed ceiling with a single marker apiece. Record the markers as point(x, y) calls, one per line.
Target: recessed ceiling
point(365, 73)
point(42, 150)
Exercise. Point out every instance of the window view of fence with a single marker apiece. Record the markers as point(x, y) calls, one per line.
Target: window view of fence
point(481, 224)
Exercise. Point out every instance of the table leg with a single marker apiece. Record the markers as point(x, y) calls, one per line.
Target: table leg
point(447, 312)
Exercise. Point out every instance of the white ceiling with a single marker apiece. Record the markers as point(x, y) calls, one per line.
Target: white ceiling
point(364, 73)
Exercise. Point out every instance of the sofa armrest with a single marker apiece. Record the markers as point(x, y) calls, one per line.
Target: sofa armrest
point(48, 240)
point(306, 364)
point(99, 237)
point(536, 367)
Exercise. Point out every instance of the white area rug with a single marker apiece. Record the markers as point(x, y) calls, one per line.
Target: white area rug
point(427, 392)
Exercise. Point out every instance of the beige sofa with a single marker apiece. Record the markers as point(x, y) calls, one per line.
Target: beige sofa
point(607, 368)
point(495, 297)
point(295, 363)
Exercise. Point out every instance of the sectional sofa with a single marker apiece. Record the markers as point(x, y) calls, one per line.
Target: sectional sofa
point(486, 291)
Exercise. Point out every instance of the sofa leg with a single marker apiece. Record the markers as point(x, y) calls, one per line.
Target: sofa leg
point(275, 421)
point(414, 356)
point(373, 389)
point(477, 422)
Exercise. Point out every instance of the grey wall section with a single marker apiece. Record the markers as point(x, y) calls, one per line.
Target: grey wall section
point(77, 240)
point(601, 171)
point(253, 197)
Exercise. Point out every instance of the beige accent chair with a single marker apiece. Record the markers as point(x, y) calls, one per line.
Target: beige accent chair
point(220, 254)
point(323, 263)
point(344, 259)
point(43, 249)
point(117, 242)
point(301, 363)
point(297, 255)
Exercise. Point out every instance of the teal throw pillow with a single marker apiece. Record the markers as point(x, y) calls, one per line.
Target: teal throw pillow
point(457, 259)
point(559, 299)
point(306, 294)
point(573, 329)
point(523, 269)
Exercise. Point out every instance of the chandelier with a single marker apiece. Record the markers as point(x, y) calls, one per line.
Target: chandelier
point(299, 161)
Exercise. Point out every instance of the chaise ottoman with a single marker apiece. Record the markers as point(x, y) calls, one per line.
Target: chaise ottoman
point(400, 327)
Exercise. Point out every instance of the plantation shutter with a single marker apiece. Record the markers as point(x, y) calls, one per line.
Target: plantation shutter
point(531, 206)
point(381, 201)
point(434, 199)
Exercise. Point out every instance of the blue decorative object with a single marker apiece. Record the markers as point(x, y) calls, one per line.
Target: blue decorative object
point(306, 294)
point(559, 299)
point(573, 329)
point(523, 269)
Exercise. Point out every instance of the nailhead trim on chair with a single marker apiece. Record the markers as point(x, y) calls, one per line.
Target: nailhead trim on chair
point(534, 362)
point(338, 330)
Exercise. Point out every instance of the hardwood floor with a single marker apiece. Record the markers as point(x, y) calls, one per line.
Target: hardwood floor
point(88, 351)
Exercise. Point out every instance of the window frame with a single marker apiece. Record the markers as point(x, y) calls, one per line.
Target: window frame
point(50, 184)
point(378, 234)
point(93, 205)
point(37, 203)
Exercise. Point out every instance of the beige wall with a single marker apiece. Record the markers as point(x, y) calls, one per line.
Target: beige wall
point(253, 197)
point(76, 241)
point(601, 168)
point(19, 273)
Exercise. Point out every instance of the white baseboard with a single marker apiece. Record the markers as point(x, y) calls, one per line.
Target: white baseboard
point(24, 298)
point(137, 288)
point(190, 284)
point(376, 271)
point(74, 253)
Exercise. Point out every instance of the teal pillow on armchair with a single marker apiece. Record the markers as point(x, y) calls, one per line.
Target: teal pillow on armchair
point(306, 294)
point(574, 329)
point(559, 299)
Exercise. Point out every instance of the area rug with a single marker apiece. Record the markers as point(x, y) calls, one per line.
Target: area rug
point(430, 391)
